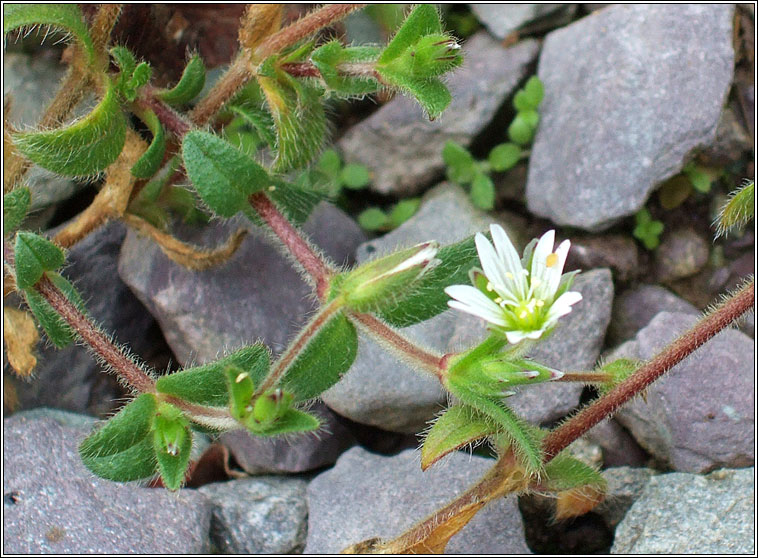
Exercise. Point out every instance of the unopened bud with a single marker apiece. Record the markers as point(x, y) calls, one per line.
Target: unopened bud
point(387, 278)
point(241, 391)
point(271, 406)
point(518, 372)
point(430, 56)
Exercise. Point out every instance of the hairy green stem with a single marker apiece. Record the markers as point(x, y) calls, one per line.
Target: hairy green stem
point(605, 406)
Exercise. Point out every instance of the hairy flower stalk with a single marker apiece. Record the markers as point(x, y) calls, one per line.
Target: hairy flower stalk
point(520, 298)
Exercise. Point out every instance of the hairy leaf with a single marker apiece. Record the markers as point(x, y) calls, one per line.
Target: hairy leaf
point(223, 176)
point(428, 298)
point(207, 385)
point(423, 20)
point(430, 93)
point(83, 148)
point(189, 86)
point(294, 202)
point(738, 210)
point(35, 255)
point(579, 487)
point(15, 206)
point(457, 427)
point(324, 360)
point(122, 449)
point(260, 119)
point(57, 330)
point(63, 16)
point(147, 165)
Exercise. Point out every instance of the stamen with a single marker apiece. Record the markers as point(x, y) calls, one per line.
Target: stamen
point(498, 300)
point(241, 377)
point(509, 275)
point(540, 303)
point(551, 260)
point(490, 288)
point(523, 314)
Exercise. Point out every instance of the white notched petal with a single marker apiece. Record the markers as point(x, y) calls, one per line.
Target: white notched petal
point(554, 273)
point(491, 265)
point(507, 254)
point(562, 305)
point(473, 301)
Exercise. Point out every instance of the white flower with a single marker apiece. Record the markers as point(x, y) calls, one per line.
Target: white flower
point(521, 303)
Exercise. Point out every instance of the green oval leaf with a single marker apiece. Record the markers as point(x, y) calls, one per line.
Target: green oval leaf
point(223, 176)
point(520, 131)
point(122, 449)
point(35, 255)
point(83, 148)
point(207, 385)
point(457, 427)
point(483, 192)
point(354, 176)
point(64, 16)
point(504, 156)
point(534, 91)
point(328, 355)
point(461, 166)
point(16, 204)
point(373, 219)
point(403, 210)
point(189, 86)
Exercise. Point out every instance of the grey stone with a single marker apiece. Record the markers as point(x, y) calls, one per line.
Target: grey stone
point(257, 294)
point(403, 148)
point(32, 82)
point(625, 484)
point(701, 415)
point(380, 390)
point(614, 251)
point(502, 19)
point(682, 253)
point(681, 513)
point(52, 504)
point(367, 495)
point(630, 92)
point(263, 515)
point(574, 346)
point(71, 378)
point(633, 310)
point(295, 454)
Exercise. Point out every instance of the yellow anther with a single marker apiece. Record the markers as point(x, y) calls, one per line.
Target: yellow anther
point(509, 275)
point(490, 288)
point(523, 314)
point(241, 377)
point(536, 282)
point(551, 260)
point(271, 188)
point(498, 300)
point(540, 303)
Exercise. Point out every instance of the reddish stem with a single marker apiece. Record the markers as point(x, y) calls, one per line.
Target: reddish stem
point(306, 256)
point(705, 329)
point(167, 116)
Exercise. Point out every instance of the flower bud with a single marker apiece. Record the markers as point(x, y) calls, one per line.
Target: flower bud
point(375, 282)
point(271, 406)
point(241, 391)
point(430, 56)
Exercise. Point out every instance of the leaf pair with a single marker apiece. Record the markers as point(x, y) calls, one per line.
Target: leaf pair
point(526, 101)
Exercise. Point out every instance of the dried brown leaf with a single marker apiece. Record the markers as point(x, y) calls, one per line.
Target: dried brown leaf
point(21, 336)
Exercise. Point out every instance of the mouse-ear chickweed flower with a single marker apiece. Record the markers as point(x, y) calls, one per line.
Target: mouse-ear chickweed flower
point(522, 298)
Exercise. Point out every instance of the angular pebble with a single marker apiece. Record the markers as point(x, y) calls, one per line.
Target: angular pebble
point(625, 484)
point(682, 253)
point(701, 415)
point(403, 148)
point(367, 495)
point(502, 19)
point(630, 92)
point(680, 513)
point(53, 504)
point(262, 515)
point(574, 345)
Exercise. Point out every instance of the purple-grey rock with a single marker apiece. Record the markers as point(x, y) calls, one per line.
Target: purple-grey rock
point(380, 390)
point(294, 454)
point(403, 148)
point(367, 495)
point(617, 252)
point(503, 19)
point(630, 93)
point(625, 484)
point(262, 515)
point(53, 504)
point(619, 448)
point(633, 310)
point(681, 513)
point(574, 346)
point(682, 253)
point(701, 414)
point(71, 378)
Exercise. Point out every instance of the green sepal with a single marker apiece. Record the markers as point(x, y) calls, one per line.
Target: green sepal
point(427, 299)
point(423, 20)
point(56, 329)
point(271, 406)
point(291, 422)
point(83, 148)
point(122, 449)
point(324, 360)
point(150, 161)
point(172, 442)
point(456, 427)
point(16, 204)
point(461, 167)
point(483, 192)
point(207, 384)
point(189, 85)
point(241, 389)
point(260, 119)
point(433, 96)
point(223, 176)
point(34, 255)
point(521, 436)
point(65, 16)
point(329, 56)
point(504, 156)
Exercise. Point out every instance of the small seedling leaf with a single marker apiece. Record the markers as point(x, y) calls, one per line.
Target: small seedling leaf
point(122, 449)
point(483, 192)
point(373, 219)
point(504, 156)
point(330, 163)
point(354, 176)
point(520, 131)
point(85, 147)
point(461, 167)
point(223, 176)
point(403, 210)
point(535, 91)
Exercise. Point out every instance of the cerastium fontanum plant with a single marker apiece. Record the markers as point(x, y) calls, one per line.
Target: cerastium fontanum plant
point(278, 83)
